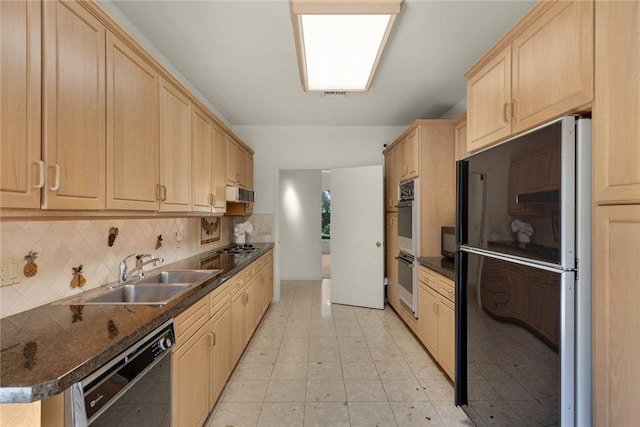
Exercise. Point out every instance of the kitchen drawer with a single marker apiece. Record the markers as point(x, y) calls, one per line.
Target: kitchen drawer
point(428, 277)
point(237, 282)
point(446, 288)
point(218, 298)
point(189, 321)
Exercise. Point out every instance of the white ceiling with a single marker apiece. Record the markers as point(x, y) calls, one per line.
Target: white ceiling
point(241, 56)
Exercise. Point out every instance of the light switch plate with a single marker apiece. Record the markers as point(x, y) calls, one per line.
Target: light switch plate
point(9, 271)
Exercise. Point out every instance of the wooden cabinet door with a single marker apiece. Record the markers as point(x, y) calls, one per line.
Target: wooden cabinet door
point(428, 318)
point(391, 180)
point(410, 155)
point(219, 185)
point(232, 162)
point(203, 160)
point(220, 355)
point(251, 309)
point(20, 150)
point(132, 129)
point(241, 159)
point(553, 64)
point(392, 263)
point(460, 150)
point(615, 290)
point(73, 107)
point(248, 170)
point(616, 128)
point(190, 380)
point(489, 103)
point(446, 335)
point(238, 308)
point(175, 149)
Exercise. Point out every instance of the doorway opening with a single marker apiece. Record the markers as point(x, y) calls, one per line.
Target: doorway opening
point(325, 230)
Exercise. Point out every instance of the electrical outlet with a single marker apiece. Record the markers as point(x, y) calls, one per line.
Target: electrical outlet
point(9, 269)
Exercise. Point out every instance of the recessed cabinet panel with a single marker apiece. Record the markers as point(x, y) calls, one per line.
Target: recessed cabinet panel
point(616, 128)
point(175, 149)
point(74, 107)
point(132, 129)
point(202, 145)
point(20, 84)
point(553, 64)
point(616, 317)
point(489, 103)
point(219, 170)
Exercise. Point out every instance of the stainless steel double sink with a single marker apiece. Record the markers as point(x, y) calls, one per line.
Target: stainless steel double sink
point(156, 289)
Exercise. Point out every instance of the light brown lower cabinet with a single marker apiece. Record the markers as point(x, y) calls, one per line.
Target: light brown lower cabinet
point(436, 317)
point(220, 358)
point(616, 294)
point(190, 380)
point(210, 338)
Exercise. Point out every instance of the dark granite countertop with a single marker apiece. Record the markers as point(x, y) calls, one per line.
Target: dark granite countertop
point(48, 348)
point(443, 266)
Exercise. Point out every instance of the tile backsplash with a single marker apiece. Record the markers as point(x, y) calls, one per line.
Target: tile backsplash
point(64, 244)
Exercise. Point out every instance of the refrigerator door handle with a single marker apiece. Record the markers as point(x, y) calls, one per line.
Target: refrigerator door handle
point(547, 266)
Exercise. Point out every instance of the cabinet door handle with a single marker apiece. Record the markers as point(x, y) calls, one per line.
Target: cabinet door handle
point(158, 192)
point(56, 183)
point(164, 193)
point(437, 308)
point(40, 183)
point(514, 109)
point(210, 339)
point(213, 334)
point(505, 111)
point(433, 307)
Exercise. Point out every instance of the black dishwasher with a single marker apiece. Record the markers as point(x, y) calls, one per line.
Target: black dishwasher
point(133, 389)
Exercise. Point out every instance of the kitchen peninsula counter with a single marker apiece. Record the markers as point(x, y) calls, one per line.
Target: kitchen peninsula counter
point(46, 349)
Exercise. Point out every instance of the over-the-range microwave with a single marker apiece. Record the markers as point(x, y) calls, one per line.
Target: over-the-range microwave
point(239, 194)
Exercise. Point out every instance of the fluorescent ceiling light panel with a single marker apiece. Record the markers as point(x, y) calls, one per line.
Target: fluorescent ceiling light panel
point(341, 50)
point(340, 43)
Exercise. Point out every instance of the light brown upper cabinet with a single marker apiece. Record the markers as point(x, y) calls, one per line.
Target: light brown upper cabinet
point(543, 69)
point(239, 164)
point(132, 129)
point(409, 156)
point(232, 162)
point(175, 149)
point(392, 178)
point(202, 167)
point(460, 150)
point(74, 107)
point(616, 128)
point(488, 102)
point(219, 170)
point(209, 158)
point(22, 171)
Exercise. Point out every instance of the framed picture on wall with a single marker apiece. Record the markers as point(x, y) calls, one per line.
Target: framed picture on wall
point(209, 230)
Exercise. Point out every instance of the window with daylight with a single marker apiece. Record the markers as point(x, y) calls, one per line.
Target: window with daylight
point(326, 214)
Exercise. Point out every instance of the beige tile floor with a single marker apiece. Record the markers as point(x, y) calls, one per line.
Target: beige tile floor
point(311, 363)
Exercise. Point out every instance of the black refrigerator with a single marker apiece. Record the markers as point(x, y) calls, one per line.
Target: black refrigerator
point(523, 282)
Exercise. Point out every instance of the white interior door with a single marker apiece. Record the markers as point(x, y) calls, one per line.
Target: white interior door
point(357, 230)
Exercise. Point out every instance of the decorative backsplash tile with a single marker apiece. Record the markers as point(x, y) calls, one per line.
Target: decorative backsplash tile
point(62, 245)
point(263, 227)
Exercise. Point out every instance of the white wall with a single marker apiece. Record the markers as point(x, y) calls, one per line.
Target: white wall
point(310, 147)
point(456, 110)
point(299, 225)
